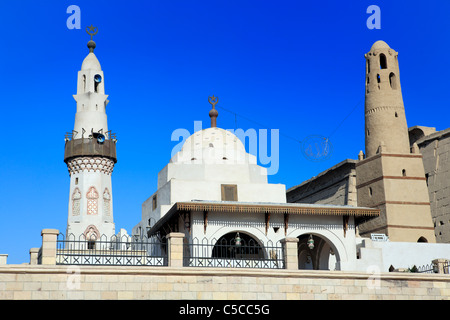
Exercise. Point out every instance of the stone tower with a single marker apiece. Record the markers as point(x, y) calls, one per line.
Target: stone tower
point(384, 111)
point(389, 176)
point(90, 155)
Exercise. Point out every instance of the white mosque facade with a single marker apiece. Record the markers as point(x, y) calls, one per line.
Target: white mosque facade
point(212, 190)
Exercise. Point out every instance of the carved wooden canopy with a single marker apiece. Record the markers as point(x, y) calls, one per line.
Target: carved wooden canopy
point(289, 208)
point(168, 221)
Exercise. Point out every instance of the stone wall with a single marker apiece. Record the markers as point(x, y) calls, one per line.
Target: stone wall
point(55, 282)
point(335, 186)
point(43, 279)
point(435, 149)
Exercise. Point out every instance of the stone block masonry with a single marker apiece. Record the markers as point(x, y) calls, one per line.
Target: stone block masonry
point(56, 282)
point(436, 152)
point(48, 281)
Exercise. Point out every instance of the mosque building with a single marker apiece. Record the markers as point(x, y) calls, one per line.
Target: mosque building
point(358, 213)
point(213, 191)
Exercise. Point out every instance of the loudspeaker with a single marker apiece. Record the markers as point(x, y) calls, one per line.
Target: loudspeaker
point(98, 78)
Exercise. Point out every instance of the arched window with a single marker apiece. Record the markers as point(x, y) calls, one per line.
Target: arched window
point(97, 81)
point(155, 202)
point(422, 239)
point(383, 61)
point(106, 203)
point(393, 81)
point(84, 83)
point(92, 201)
point(76, 198)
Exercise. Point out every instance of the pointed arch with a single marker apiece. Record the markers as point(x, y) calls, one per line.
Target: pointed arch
point(91, 235)
point(422, 239)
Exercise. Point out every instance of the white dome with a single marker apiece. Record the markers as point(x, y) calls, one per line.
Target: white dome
point(213, 145)
point(91, 63)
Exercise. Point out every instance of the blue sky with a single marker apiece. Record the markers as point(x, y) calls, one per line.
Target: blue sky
point(295, 66)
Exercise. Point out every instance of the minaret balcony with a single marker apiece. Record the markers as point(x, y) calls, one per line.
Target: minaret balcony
point(90, 147)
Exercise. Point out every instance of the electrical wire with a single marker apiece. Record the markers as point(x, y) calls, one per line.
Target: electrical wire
point(282, 134)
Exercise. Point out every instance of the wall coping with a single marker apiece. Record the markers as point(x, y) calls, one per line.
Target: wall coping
point(192, 271)
point(50, 231)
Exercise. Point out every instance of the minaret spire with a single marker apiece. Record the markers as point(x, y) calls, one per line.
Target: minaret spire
point(92, 31)
point(213, 114)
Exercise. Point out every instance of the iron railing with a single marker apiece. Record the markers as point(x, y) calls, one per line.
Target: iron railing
point(227, 254)
point(90, 147)
point(427, 268)
point(118, 251)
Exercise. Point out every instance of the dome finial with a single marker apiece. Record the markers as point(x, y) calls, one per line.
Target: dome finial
point(213, 114)
point(92, 32)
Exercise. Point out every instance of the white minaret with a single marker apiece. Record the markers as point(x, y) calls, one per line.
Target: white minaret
point(90, 155)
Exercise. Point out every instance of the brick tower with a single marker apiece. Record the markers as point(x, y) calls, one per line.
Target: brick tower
point(389, 176)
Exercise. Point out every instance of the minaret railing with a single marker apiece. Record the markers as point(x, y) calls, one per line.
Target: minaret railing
point(90, 147)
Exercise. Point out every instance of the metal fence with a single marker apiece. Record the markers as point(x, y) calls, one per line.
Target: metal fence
point(428, 268)
point(90, 147)
point(118, 251)
point(226, 253)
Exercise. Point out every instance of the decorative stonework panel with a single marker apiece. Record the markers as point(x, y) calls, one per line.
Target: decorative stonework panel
point(95, 164)
point(76, 198)
point(91, 233)
point(106, 202)
point(92, 201)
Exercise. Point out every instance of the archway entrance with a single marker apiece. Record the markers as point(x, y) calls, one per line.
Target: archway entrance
point(320, 257)
point(236, 245)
